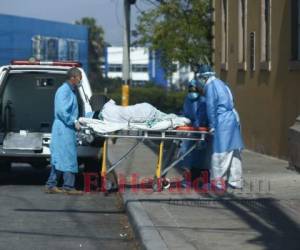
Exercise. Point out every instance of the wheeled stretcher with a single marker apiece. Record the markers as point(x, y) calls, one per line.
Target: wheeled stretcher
point(197, 135)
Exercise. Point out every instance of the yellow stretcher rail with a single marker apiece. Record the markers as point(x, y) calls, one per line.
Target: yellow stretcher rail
point(159, 160)
point(104, 165)
point(158, 182)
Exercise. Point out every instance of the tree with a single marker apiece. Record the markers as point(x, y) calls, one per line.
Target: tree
point(96, 47)
point(179, 29)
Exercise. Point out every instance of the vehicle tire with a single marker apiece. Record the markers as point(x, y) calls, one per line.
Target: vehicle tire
point(92, 166)
point(39, 164)
point(5, 165)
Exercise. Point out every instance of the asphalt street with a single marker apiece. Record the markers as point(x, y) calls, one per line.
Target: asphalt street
point(31, 219)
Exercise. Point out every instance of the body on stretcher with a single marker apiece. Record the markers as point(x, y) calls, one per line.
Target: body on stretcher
point(175, 135)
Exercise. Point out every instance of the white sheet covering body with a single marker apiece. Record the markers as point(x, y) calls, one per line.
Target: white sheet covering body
point(140, 116)
point(116, 113)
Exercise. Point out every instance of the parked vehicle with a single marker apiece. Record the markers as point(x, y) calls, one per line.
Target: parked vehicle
point(27, 91)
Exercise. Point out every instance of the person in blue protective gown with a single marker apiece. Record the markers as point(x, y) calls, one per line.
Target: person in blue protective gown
point(63, 144)
point(224, 124)
point(194, 108)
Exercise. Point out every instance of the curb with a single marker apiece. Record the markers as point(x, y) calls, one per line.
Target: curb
point(144, 229)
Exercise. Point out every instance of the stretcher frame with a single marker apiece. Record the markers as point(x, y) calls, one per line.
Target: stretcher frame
point(196, 135)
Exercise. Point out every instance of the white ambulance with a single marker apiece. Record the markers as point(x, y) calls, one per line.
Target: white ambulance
point(27, 90)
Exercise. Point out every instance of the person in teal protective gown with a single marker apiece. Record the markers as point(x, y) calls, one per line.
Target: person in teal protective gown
point(194, 108)
point(224, 124)
point(63, 144)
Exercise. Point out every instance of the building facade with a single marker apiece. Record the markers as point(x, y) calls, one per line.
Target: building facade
point(145, 67)
point(257, 51)
point(23, 38)
point(139, 59)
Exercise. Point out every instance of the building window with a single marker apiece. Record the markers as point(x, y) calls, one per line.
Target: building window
point(73, 50)
point(295, 30)
point(52, 48)
point(242, 25)
point(252, 51)
point(115, 68)
point(224, 34)
point(265, 56)
point(139, 67)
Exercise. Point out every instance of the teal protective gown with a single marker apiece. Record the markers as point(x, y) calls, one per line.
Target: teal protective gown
point(222, 117)
point(63, 139)
point(195, 110)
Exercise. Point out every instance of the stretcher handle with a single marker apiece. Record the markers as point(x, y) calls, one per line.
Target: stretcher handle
point(190, 128)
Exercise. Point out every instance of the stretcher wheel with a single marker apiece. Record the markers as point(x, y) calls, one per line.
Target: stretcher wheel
point(159, 184)
point(108, 185)
point(156, 185)
point(166, 183)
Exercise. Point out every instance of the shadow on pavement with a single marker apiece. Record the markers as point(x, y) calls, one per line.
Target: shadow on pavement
point(63, 236)
point(26, 175)
point(264, 215)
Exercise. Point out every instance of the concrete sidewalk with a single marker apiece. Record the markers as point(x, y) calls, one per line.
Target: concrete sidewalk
point(265, 215)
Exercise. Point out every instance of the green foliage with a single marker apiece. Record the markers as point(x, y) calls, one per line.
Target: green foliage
point(96, 45)
point(180, 29)
point(166, 101)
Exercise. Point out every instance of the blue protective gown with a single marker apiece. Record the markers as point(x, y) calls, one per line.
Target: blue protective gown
point(222, 117)
point(195, 110)
point(63, 139)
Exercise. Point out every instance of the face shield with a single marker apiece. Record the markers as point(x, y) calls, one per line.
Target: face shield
point(205, 72)
point(201, 82)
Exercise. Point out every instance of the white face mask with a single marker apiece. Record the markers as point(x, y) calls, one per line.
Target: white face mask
point(193, 96)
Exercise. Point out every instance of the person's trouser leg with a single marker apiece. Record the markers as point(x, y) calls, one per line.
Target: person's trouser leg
point(53, 177)
point(187, 160)
point(221, 163)
point(235, 171)
point(69, 180)
point(186, 164)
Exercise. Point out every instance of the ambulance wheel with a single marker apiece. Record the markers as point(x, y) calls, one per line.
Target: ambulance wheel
point(5, 165)
point(92, 165)
point(39, 164)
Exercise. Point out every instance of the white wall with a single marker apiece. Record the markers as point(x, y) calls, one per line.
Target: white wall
point(138, 55)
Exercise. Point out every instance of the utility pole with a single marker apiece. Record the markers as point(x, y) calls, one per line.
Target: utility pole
point(126, 52)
